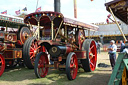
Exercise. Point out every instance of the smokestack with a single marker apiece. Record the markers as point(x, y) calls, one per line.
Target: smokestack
point(57, 5)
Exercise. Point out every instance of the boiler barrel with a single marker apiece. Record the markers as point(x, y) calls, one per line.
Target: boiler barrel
point(55, 51)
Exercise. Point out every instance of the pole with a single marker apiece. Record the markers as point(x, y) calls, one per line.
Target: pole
point(118, 24)
point(88, 34)
point(37, 4)
point(57, 5)
point(52, 33)
point(75, 9)
point(38, 35)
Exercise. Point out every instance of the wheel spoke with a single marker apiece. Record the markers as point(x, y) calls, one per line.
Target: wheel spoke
point(43, 71)
point(31, 53)
point(91, 63)
point(31, 56)
point(32, 48)
point(37, 48)
point(41, 65)
point(91, 48)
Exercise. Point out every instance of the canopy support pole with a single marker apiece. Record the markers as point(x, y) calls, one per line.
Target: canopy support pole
point(58, 30)
point(66, 33)
point(52, 30)
point(88, 34)
point(118, 24)
point(38, 34)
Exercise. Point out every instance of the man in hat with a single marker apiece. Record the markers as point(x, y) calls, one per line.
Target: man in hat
point(112, 53)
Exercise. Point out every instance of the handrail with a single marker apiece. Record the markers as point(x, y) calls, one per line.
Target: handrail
point(58, 30)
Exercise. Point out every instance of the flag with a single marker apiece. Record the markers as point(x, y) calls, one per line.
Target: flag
point(24, 9)
point(38, 9)
point(109, 16)
point(107, 21)
point(4, 12)
point(17, 12)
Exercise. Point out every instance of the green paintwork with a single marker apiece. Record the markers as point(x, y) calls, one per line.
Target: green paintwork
point(126, 63)
point(118, 69)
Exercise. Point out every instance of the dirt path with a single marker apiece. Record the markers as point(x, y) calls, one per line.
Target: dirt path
point(24, 76)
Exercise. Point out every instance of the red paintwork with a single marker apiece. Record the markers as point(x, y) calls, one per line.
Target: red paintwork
point(73, 70)
point(34, 49)
point(19, 42)
point(62, 47)
point(12, 53)
point(11, 37)
point(33, 18)
point(2, 64)
point(8, 54)
point(42, 70)
point(81, 54)
point(68, 49)
point(93, 58)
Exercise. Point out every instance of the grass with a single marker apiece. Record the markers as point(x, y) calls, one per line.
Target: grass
point(24, 76)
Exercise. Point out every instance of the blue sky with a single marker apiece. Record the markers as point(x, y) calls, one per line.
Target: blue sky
point(87, 11)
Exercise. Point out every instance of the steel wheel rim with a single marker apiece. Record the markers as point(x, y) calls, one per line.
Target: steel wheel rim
point(92, 56)
point(24, 34)
point(34, 49)
point(42, 70)
point(73, 66)
point(2, 64)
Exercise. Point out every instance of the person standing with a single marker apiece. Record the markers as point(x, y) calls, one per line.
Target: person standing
point(98, 47)
point(122, 46)
point(112, 53)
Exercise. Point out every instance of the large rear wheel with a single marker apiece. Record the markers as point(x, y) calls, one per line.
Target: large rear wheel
point(30, 50)
point(23, 34)
point(2, 64)
point(40, 65)
point(71, 66)
point(89, 64)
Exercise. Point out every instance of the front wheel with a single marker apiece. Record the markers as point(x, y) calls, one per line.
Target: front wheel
point(71, 66)
point(2, 64)
point(40, 65)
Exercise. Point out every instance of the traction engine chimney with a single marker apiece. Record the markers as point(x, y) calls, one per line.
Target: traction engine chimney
point(57, 5)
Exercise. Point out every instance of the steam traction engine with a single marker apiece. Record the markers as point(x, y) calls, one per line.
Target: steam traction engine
point(62, 39)
point(13, 34)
